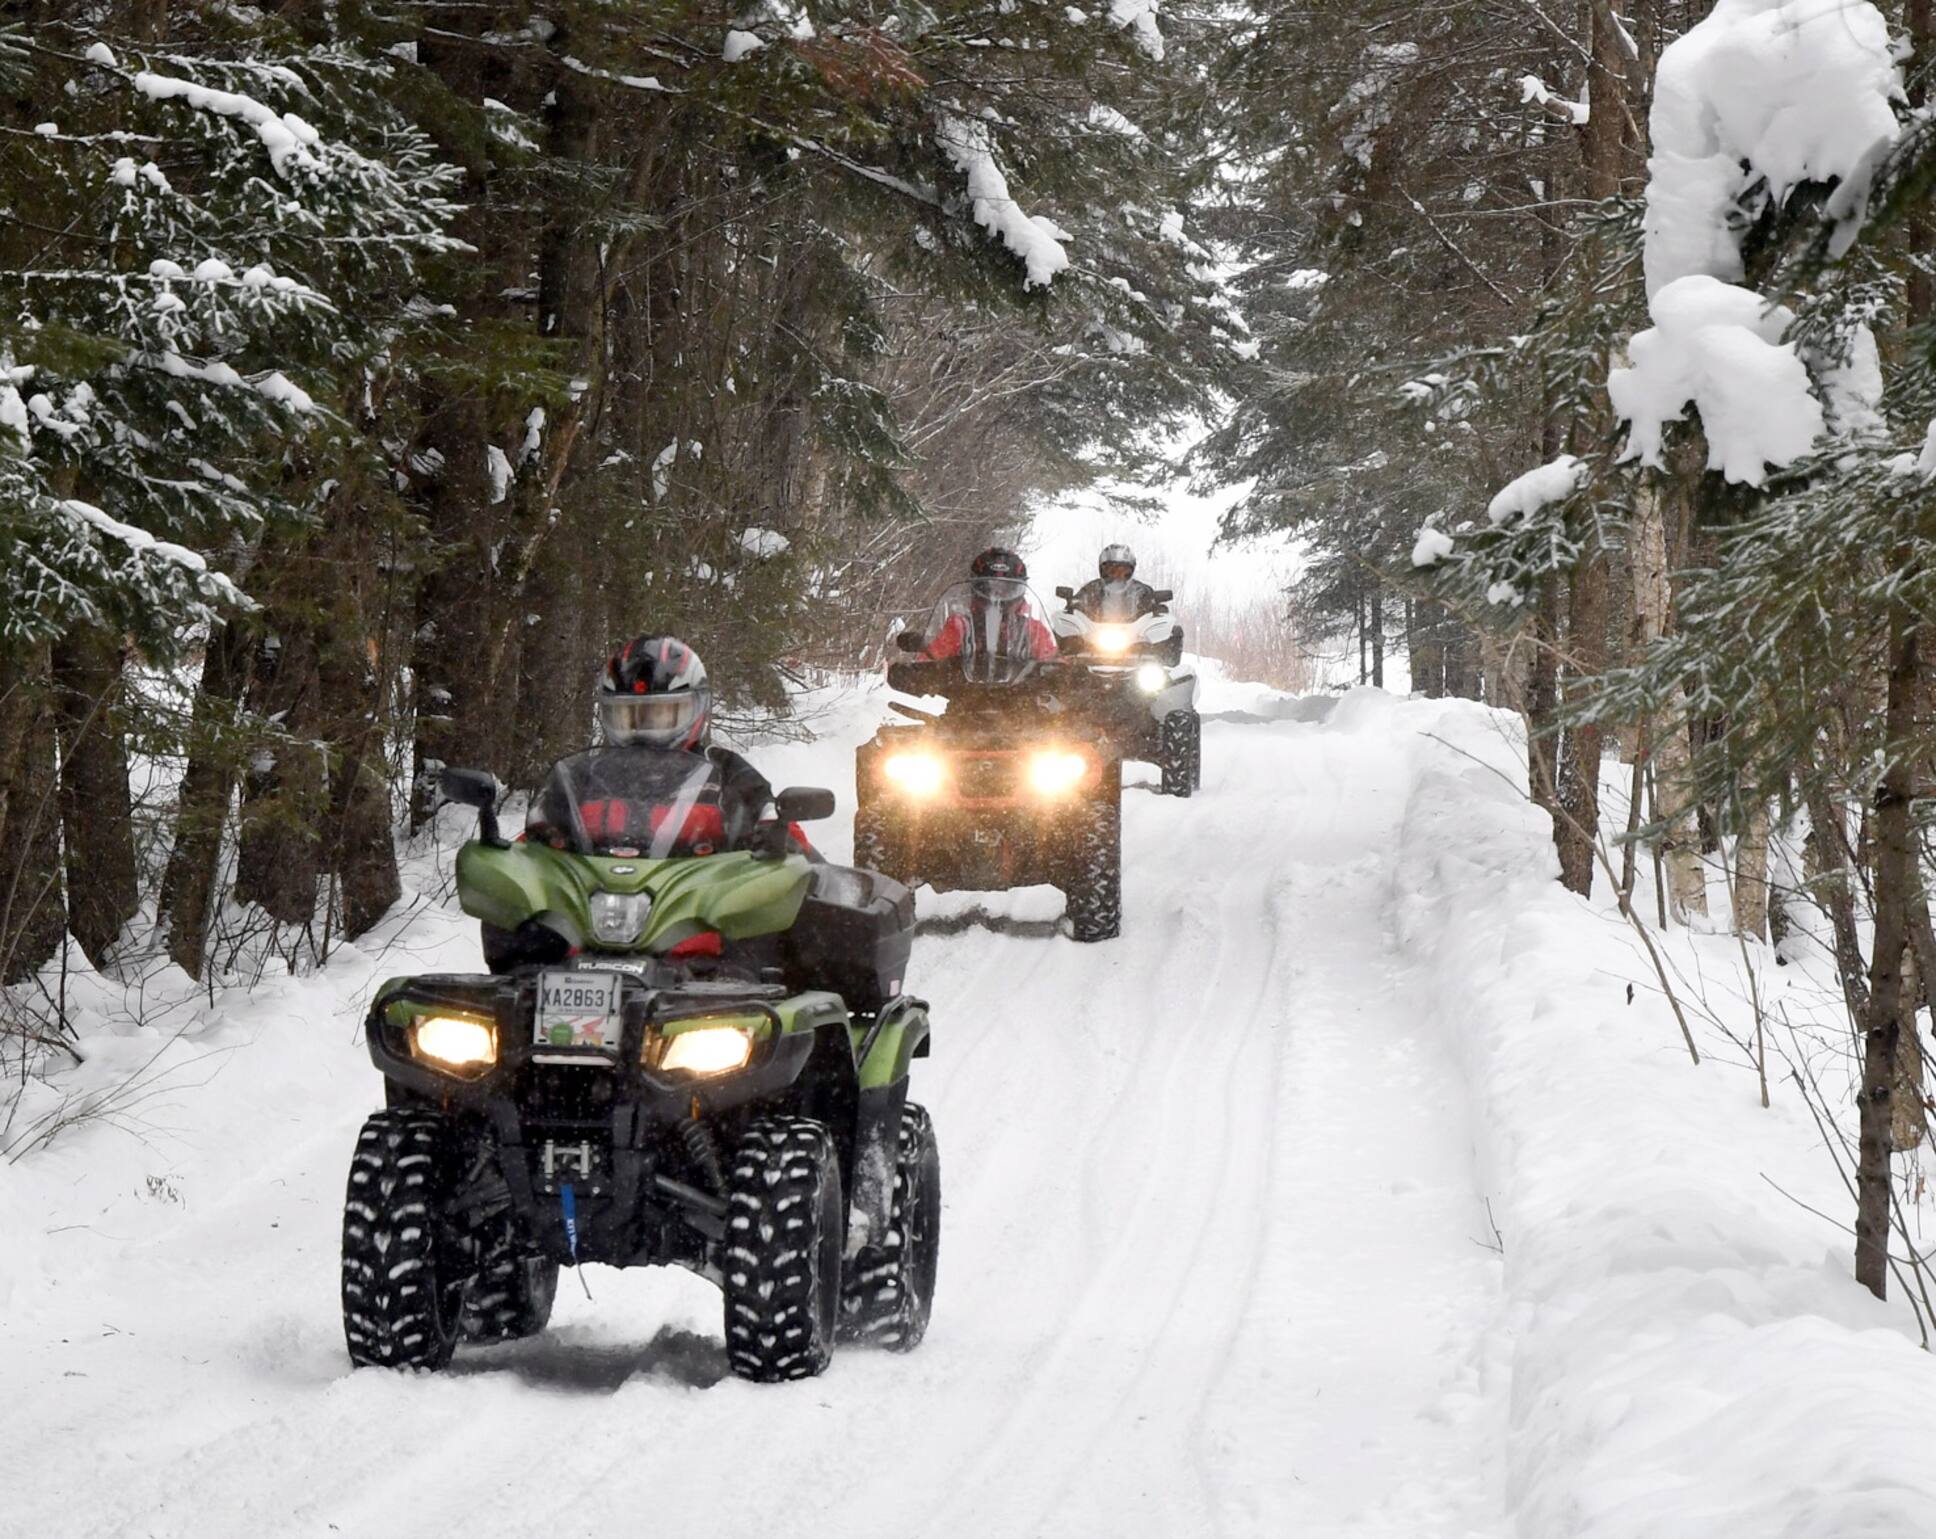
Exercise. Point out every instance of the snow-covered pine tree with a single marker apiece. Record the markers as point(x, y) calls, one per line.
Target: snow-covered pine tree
point(211, 244)
point(758, 241)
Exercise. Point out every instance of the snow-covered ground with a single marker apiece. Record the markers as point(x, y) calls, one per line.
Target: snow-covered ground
point(1346, 1193)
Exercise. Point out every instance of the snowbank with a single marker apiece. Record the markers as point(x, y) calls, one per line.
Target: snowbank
point(1689, 1355)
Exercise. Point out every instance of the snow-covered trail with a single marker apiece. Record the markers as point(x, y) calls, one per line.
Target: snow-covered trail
point(1212, 1261)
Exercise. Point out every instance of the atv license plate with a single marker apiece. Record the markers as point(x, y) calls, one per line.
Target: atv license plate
point(578, 1010)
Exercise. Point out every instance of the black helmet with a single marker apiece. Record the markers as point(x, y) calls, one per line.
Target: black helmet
point(1117, 556)
point(654, 694)
point(999, 575)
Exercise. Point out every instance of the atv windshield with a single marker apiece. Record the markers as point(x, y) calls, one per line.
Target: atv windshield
point(993, 628)
point(645, 803)
point(1119, 602)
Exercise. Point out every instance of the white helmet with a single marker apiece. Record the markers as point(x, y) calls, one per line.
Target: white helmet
point(1119, 556)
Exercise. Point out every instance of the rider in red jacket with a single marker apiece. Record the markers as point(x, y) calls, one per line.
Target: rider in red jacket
point(999, 620)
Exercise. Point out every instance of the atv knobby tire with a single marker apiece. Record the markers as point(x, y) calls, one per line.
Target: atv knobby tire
point(403, 1289)
point(1182, 753)
point(511, 1299)
point(1094, 886)
point(888, 1290)
point(785, 1233)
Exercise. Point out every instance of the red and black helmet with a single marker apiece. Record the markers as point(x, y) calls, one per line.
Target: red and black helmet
point(999, 575)
point(653, 694)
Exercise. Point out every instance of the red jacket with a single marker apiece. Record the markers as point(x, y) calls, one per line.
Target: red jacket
point(1022, 636)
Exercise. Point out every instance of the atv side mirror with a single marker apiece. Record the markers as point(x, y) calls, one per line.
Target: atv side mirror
point(804, 804)
point(908, 641)
point(1067, 595)
point(1162, 595)
point(469, 788)
point(479, 789)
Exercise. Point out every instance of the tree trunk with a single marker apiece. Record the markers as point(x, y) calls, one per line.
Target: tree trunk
point(1895, 886)
point(194, 862)
point(1751, 874)
point(97, 811)
point(1542, 694)
point(1377, 632)
point(33, 911)
point(278, 863)
point(1578, 784)
point(1835, 891)
point(1666, 733)
point(358, 842)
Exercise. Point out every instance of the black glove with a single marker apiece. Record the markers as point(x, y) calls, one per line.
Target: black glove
point(770, 839)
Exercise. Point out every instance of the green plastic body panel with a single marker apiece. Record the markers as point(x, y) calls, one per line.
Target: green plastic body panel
point(738, 895)
point(888, 1059)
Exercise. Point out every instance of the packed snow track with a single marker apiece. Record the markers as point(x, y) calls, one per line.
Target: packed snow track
point(1213, 1261)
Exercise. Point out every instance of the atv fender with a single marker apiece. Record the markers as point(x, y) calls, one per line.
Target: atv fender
point(884, 1049)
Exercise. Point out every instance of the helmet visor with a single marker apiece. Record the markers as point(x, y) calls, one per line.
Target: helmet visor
point(1000, 590)
point(1117, 571)
point(661, 720)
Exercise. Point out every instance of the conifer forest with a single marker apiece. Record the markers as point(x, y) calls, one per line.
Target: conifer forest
point(372, 370)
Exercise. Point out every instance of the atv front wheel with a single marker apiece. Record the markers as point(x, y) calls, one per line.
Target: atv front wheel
point(1182, 753)
point(784, 1237)
point(403, 1289)
point(511, 1299)
point(1094, 887)
point(889, 1288)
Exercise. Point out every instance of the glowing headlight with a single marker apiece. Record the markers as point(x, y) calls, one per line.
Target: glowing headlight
point(1112, 638)
point(918, 774)
point(1054, 773)
point(708, 1050)
point(617, 917)
point(454, 1042)
point(1151, 679)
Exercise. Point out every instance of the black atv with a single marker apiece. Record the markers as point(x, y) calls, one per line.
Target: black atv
point(1018, 783)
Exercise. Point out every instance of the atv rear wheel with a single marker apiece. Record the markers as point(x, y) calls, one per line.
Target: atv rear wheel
point(1182, 753)
point(1094, 885)
point(511, 1299)
point(784, 1238)
point(403, 1287)
point(889, 1288)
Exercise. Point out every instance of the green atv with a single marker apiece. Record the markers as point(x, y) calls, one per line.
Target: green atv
point(679, 1057)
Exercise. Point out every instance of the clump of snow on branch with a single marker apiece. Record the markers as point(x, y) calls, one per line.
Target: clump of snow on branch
point(287, 137)
point(1432, 547)
point(1533, 89)
point(1787, 90)
point(1139, 15)
point(1036, 240)
point(1718, 347)
point(1538, 489)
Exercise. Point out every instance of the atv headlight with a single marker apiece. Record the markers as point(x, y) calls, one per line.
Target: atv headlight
point(918, 774)
point(617, 917)
point(1055, 772)
point(455, 1042)
point(1151, 679)
point(1112, 639)
point(708, 1050)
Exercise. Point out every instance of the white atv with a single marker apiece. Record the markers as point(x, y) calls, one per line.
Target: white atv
point(1153, 707)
